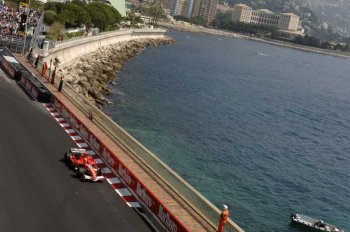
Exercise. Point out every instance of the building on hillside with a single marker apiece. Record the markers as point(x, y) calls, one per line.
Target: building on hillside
point(183, 8)
point(287, 24)
point(242, 13)
point(264, 17)
point(193, 8)
point(205, 9)
point(288, 21)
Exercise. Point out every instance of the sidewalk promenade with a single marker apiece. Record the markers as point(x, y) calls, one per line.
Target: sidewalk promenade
point(181, 210)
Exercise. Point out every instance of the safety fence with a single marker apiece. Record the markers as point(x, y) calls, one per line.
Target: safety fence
point(15, 44)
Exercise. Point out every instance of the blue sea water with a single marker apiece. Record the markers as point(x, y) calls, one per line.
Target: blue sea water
point(262, 128)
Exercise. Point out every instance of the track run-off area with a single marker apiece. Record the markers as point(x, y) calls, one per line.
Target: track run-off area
point(38, 191)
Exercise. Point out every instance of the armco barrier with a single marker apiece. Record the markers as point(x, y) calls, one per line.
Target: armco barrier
point(28, 85)
point(185, 191)
point(199, 203)
point(18, 72)
point(144, 195)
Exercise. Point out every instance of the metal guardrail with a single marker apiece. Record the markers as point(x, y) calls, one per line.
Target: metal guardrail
point(193, 198)
point(198, 202)
point(14, 44)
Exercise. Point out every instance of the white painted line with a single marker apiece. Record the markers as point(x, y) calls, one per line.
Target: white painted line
point(90, 152)
point(123, 192)
point(114, 180)
point(98, 161)
point(81, 145)
point(60, 119)
point(76, 137)
point(55, 114)
point(50, 108)
point(64, 125)
point(106, 170)
point(69, 131)
point(48, 104)
point(133, 204)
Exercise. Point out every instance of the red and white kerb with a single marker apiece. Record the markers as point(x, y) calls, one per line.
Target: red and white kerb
point(111, 177)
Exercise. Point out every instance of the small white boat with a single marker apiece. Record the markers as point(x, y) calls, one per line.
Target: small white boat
point(313, 224)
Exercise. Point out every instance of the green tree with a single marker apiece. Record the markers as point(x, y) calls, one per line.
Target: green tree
point(299, 39)
point(155, 11)
point(181, 18)
point(346, 48)
point(55, 6)
point(49, 17)
point(103, 16)
point(223, 20)
point(326, 45)
point(338, 46)
point(73, 15)
point(199, 21)
point(55, 30)
point(314, 42)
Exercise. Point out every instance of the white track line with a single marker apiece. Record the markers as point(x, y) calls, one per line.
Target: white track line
point(60, 119)
point(106, 170)
point(123, 192)
point(70, 131)
point(82, 145)
point(114, 180)
point(90, 152)
point(133, 204)
point(76, 137)
point(64, 125)
point(98, 161)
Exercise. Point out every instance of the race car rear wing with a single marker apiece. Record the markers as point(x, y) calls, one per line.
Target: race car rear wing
point(77, 150)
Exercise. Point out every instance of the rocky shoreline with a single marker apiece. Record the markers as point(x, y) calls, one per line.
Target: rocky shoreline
point(92, 75)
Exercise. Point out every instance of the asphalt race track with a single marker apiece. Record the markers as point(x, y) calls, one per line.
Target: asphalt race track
point(38, 192)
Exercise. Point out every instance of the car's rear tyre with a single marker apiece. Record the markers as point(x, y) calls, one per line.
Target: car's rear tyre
point(67, 159)
point(66, 156)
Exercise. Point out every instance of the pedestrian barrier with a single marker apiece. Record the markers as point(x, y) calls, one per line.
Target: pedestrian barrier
point(19, 73)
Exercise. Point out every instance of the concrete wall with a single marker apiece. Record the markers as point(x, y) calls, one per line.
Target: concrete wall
point(68, 52)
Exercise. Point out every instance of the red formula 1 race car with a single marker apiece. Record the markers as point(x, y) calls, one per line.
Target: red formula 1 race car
point(83, 164)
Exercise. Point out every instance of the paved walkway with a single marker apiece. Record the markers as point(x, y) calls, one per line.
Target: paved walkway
point(170, 199)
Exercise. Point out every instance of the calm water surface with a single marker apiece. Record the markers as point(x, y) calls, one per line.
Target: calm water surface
point(261, 128)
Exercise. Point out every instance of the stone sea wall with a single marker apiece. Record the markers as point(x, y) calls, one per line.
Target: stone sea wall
point(93, 74)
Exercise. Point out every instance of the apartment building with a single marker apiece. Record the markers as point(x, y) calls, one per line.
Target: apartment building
point(207, 9)
point(264, 17)
point(284, 21)
point(288, 22)
point(192, 8)
point(242, 13)
point(183, 8)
